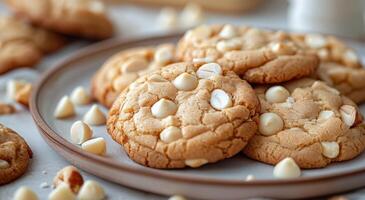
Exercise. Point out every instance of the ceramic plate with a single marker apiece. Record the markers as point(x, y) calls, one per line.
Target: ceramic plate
point(224, 180)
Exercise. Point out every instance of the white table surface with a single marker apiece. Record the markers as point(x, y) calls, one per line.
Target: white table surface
point(131, 21)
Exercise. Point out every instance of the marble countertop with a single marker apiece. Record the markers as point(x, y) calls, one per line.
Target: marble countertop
point(132, 21)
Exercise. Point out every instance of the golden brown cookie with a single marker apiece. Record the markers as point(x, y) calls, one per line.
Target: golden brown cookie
point(184, 115)
point(84, 18)
point(259, 55)
point(340, 66)
point(125, 67)
point(14, 155)
point(22, 45)
point(308, 121)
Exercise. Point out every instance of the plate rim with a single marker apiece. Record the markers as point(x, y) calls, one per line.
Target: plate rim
point(46, 131)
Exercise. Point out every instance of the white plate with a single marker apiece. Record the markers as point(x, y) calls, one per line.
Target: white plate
point(223, 180)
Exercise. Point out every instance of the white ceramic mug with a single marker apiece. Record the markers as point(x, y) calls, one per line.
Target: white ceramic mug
point(340, 17)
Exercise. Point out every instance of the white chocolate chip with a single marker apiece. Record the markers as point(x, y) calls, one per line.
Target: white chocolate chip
point(62, 192)
point(79, 96)
point(348, 114)
point(277, 94)
point(170, 134)
point(330, 149)
point(315, 41)
point(94, 116)
point(270, 124)
point(13, 87)
point(250, 177)
point(228, 45)
point(167, 19)
point(208, 70)
point(228, 31)
point(64, 108)
point(323, 54)
point(80, 132)
point(203, 60)
point(194, 163)
point(350, 57)
point(4, 164)
point(91, 190)
point(220, 100)
point(163, 55)
point(97, 7)
point(25, 193)
point(185, 82)
point(286, 168)
point(96, 146)
point(325, 114)
point(192, 15)
point(163, 108)
point(134, 65)
point(177, 197)
point(282, 48)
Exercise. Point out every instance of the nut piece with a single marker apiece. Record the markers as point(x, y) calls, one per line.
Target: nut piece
point(6, 109)
point(315, 41)
point(177, 197)
point(163, 108)
point(185, 82)
point(270, 124)
point(228, 31)
point(348, 114)
point(286, 168)
point(170, 134)
point(277, 94)
point(134, 65)
point(195, 163)
point(65, 108)
point(250, 177)
point(4, 164)
point(322, 86)
point(94, 116)
point(325, 114)
point(70, 176)
point(79, 96)
point(25, 193)
point(23, 95)
point(220, 100)
point(80, 132)
point(330, 149)
point(163, 55)
point(91, 190)
point(208, 70)
point(62, 192)
point(13, 87)
point(96, 146)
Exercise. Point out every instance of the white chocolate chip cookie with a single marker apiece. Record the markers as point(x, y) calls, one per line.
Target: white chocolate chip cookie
point(260, 56)
point(162, 125)
point(125, 67)
point(315, 126)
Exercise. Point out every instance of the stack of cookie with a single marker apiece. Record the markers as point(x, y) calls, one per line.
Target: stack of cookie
point(23, 44)
point(227, 89)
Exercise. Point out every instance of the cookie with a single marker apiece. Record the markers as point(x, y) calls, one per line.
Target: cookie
point(83, 18)
point(184, 115)
point(14, 155)
point(340, 66)
point(22, 45)
point(258, 55)
point(125, 67)
point(308, 121)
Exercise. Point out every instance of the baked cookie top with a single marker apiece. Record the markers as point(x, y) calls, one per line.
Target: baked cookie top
point(184, 115)
point(260, 56)
point(14, 155)
point(125, 67)
point(23, 45)
point(84, 18)
point(308, 121)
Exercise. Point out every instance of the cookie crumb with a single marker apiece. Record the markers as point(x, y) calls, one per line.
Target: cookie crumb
point(44, 185)
point(44, 172)
point(6, 109)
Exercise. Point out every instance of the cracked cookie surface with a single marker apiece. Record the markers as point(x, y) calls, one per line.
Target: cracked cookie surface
point(125, 67)
point(258, 55)
point(83, 18)
point(184, 115)
point(22, 45)
point(308, 121)
point(14, 155)
point(340, 66)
